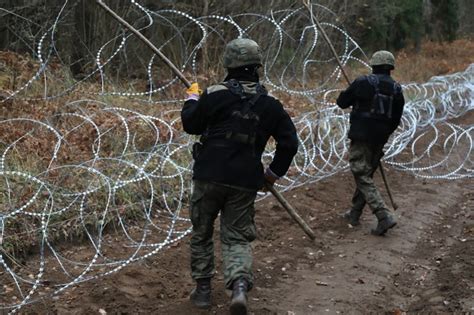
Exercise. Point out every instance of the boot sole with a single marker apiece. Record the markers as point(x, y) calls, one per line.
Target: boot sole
point(373, 232)
point(238, 308)
point(348, 219)
point(354, 223)
point(200, 304)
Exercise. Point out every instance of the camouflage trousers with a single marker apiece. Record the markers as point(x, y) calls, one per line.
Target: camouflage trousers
point(364, 158)
point(237, 230)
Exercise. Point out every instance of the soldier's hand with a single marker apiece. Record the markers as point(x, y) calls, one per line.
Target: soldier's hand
point(270, 179)
point(193, 92)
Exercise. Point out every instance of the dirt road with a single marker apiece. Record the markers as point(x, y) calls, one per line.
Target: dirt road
point(424, 265)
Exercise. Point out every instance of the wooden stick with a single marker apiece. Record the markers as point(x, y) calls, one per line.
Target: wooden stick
point(291, 211)
point(328, 41)
point(147, 42)
point(382, 171)
point(277, 195)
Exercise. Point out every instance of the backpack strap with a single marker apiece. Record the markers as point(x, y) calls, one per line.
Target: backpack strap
point(251, 102)
point(374, 81)
point(235, 87)
point(380, 97)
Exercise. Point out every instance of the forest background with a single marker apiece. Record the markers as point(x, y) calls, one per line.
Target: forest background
point(374, 24)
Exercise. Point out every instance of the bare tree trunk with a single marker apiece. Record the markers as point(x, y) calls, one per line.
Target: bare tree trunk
point(466, 22)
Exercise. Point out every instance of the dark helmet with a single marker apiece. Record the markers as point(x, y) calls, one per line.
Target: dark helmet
point(242, 52)
point(382, 57)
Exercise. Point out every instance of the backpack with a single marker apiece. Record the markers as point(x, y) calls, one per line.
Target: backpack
point(242, 126)
point(381, 106)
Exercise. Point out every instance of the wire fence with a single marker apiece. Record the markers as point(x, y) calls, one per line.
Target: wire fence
point(120, 177)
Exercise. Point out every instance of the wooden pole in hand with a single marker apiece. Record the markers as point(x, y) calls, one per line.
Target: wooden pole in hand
point(183, 79)
point(147, 42)
point(328, 41)
point(291, 211)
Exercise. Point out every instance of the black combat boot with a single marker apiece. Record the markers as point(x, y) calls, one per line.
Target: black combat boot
point(201, 294)
point(238, 305)
point(385, 222)
point(353, 217)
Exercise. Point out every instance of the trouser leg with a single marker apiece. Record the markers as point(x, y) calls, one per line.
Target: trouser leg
point(358, 201)
point(363, 162)
point(205, 205)
point(364, 159)
point(237, 232)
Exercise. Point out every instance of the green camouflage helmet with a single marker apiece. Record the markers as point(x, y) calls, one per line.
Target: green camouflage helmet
point(382, 57)
point(241, 52)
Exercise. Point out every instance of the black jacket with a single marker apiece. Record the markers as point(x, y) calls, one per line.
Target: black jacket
point(227, 162)
point(360, 92)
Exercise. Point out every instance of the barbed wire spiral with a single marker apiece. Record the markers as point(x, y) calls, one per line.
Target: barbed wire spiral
point(101, 184)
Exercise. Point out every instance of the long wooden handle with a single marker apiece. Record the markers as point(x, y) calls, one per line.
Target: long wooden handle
point(382, 172)
point(326, 38)
point(147, 42)
point(181, 76)
point(289, 208)
point(328, 41)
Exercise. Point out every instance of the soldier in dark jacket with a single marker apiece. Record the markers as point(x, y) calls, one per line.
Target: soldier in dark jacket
point(377, 106)
point(235, 120)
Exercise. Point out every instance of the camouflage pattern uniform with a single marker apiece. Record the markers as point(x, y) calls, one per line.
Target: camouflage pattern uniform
point(371, 126)
point(228, 170)
point(364, 158)
point(237, 230)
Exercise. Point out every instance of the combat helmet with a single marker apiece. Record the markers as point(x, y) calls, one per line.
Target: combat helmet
point(241, 52)
point(382, 57)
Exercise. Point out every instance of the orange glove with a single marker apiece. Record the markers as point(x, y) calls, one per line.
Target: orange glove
point(193, 92)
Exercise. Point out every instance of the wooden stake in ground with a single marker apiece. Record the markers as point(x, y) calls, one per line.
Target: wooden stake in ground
point(328, 41)
point(183, 79)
